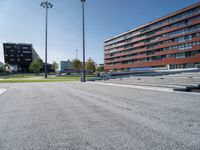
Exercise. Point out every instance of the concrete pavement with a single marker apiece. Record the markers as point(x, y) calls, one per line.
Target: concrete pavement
point(78, 116)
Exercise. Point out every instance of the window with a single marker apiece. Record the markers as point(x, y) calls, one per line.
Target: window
point(183, 38)
point(25, 47)
point(182, 31)
point(182, 46)
point(184, 15)
point(26, 52)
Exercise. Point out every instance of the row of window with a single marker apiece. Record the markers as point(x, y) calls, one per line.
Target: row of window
point(26, 52)
point(184, 38)
point(179, 47)
point(24, 47)
point(156, 58)
point(178, 24)
point(185, 14)
point(170, 34)
point(180, 39)
point(157, 25)
point(190, 65)
point(181, 31)
point(19, 59)
point(172, 19)
point(174, 33)
point(14, 55)
point(7, 47)
point(182, 46)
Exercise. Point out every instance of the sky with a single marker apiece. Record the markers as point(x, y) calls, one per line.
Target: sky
point(23, 21)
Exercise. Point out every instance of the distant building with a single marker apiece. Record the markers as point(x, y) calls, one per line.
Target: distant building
point(170, 42)
point(65, 66)
point(98, 65)
point(19, 56)
point(1, 64)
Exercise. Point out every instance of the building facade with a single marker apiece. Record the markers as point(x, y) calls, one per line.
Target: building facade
point(19, 56)
point(65, 66)
point(170, 42)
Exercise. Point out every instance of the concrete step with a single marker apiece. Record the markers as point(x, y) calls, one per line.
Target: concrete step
point(148, 84)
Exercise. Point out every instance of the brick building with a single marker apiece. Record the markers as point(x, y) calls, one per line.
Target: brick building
point(170, 42)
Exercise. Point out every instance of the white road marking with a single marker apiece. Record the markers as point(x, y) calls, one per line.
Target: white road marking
point(2, 91)
point(136, 86)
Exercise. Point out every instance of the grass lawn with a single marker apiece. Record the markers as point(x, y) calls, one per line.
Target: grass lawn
point(32, 78)
point(15, 76)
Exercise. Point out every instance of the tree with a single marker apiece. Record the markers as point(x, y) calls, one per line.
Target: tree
point(90, 65)
point(76, 64)
point(1, 68)
point(36, 66)
point(100, 68)
point(54, 66)
point(6, 67)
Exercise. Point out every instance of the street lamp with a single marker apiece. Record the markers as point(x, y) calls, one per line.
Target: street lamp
point(76, 53)
point(83, 19)
point(46, 5)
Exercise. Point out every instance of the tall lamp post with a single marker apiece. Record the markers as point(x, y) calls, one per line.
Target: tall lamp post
point(46, 5)
point(76, 53)
point(83, 18)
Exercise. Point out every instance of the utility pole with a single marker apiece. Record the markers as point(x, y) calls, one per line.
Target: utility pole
point(76, 53)
point(83, 19)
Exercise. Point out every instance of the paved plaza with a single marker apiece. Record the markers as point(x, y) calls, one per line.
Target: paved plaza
point(167, 82)
point(85, 116)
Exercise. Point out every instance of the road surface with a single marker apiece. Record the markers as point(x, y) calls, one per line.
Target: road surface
point(84, 116)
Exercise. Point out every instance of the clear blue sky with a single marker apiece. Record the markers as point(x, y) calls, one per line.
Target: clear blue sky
point(22, 21)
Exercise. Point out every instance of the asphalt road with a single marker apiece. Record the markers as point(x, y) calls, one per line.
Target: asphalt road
point(83, 116)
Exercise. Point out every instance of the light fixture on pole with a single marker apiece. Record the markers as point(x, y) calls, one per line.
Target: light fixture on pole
point(83, 19)
point(46, 5)
point(76, 53)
